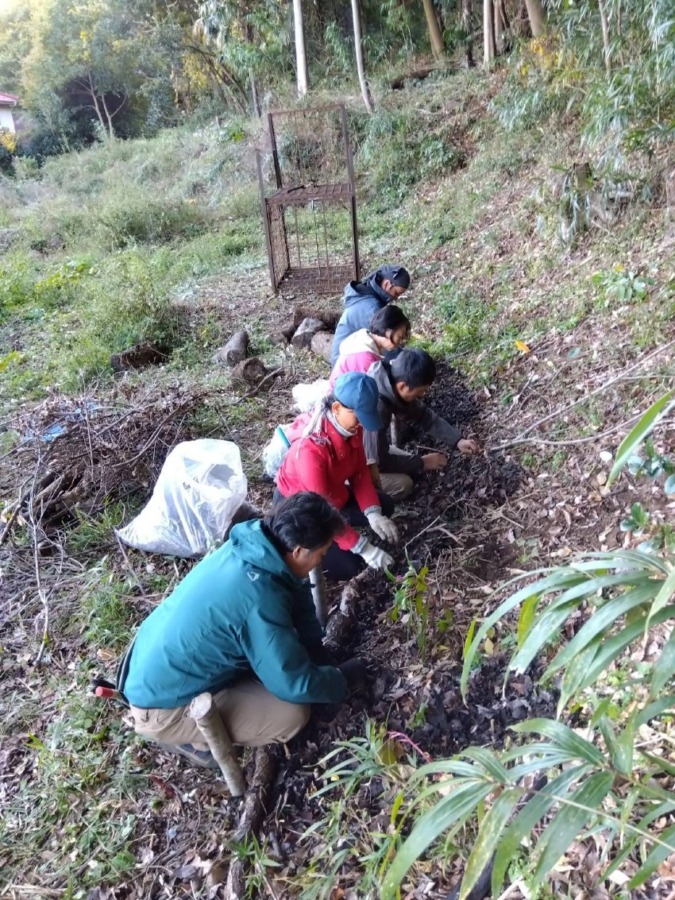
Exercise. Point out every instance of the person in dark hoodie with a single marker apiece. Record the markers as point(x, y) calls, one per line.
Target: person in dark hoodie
point(362, 299)
point(401, 383)
point(242, 626)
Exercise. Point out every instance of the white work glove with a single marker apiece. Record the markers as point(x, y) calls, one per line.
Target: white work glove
point(382, 526)
point(398, 451)
point(374, 557)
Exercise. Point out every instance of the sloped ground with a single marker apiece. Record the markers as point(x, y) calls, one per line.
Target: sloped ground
point(91, 811)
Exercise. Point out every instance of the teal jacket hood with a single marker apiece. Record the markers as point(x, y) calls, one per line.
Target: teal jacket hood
point(239, 612)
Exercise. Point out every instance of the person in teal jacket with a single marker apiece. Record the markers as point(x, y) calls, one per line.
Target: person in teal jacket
point(242, 626)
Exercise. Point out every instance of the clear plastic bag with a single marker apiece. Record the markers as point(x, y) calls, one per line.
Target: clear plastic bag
point(275, 451)
point(306, 396)
point(198, 491)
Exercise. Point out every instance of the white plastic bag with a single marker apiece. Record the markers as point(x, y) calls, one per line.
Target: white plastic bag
point(198, 491)
point(275, 451)
point(306, 396)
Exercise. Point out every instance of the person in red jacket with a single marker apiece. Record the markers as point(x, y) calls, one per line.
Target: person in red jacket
point(328, 457)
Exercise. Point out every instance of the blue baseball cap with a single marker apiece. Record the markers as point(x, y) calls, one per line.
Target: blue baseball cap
point(359, 392)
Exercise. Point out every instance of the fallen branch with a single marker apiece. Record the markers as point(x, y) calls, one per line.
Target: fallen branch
point(255, 390)
point(567, 443)
point(559, 412)
point(255, 805)
point(15, 512)
point(342, 620)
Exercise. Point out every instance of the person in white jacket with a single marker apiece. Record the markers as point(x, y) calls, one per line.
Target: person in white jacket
point(389, 329)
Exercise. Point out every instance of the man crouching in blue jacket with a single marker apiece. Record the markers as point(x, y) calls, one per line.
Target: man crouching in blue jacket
point(242, 626)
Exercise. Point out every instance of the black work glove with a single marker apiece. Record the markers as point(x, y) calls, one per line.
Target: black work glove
point(355, 672)
point(319, 654)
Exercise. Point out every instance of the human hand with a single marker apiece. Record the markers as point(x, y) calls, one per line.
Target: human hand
point(355, 673)
point(434, 461)
point(467, 446)
point(383, 527)
point(375, 558)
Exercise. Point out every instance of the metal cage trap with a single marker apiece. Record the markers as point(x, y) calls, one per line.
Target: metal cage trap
point(308, 200)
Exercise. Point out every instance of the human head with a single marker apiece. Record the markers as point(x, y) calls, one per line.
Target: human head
point(394, 280)
point(354, 401)
point(413, 373)
point(303, 527)
point(392, 325)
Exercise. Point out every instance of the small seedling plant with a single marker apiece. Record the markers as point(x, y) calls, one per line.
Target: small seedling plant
point(411, 606)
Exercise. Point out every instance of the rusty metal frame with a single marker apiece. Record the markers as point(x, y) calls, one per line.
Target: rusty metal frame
point(287, 267)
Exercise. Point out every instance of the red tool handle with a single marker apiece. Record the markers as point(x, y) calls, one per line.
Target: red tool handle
point(107, 693)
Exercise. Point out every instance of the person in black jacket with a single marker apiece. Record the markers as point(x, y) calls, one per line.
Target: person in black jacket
point(402, 382)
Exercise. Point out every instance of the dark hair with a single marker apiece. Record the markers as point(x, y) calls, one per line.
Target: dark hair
point(398, 275)
point(415, 368)
point(328, 401)
point(389, 318)
point(304, 520)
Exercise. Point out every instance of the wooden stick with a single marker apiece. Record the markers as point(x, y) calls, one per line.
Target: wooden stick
point(254, 809)
point(207, 718)
point(569, 406)
point(318, 585)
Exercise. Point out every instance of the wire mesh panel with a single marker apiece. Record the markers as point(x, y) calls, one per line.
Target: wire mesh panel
point(310, 216)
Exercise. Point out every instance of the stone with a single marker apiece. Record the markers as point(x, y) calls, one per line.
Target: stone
point(321, 344)
point(306, 331)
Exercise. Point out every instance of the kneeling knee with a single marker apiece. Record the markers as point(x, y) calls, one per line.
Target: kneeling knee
point(296, 716)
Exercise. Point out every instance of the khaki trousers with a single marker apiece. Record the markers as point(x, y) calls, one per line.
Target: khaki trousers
point(252, 715)
point(396, 484)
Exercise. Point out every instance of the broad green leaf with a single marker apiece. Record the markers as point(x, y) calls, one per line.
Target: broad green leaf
point(563, 737)
point(487, 841)
point(469, 637)
point(575, 673)
point(660, 852)
point(638, 433)
point(663, 597)
point(665, 666)
point(612, 648)
point(570, 820)
point(489, 762)
point(663, 704)
point(543, 631)
point(544, 585)
point(531, 813)
point(526, 617)
point(662, 809)
point(449, 813)
point(620, 754)
point(659, 763)
point(599, 622)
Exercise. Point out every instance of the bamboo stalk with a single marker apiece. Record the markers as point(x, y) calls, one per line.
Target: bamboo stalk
point(207, 718)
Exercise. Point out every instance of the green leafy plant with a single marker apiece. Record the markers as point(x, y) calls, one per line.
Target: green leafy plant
point(621, 286)
point(610, 778)
point(411, 606)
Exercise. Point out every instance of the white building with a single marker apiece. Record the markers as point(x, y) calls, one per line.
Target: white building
point(7, 104)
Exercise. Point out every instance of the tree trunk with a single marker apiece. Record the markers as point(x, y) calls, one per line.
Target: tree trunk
point(606, 49)
point(358, 47)
point(535, 14)
point(488, 34)
point(255, 97)
point(300, 55)
point(498, 27)
point(435, 36)
point(91, 90)
point(468, 36)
